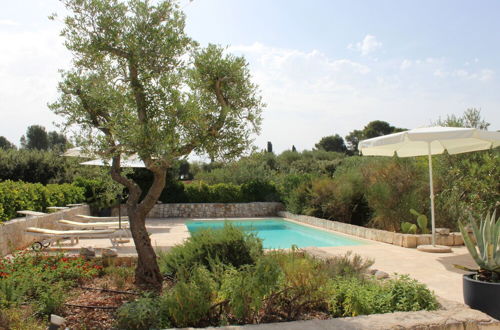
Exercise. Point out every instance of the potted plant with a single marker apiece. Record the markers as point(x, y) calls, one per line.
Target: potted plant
point(482, 287)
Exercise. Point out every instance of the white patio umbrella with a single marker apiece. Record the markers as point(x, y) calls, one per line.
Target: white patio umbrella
point(430, 141)
point(132, 161)
point(125, 162)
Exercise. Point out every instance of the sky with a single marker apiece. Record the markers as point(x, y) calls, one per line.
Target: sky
point(323, 66)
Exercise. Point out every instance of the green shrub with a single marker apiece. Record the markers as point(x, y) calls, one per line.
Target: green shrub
point(212, 290)
point(246, 288)
point(295, 190)
point(225, 193)
point(466, 185)
point(99, 194)
point(36, 166)
point(253, 191)
point(197, 192)
point(41, 280)
point(259, 191)
point(119, 275)
point(11, 294)
point(230, 246)
point(20, 318)
point(143, 313)
point(174, 192)
point(19, 195)
point(393, 187)
point(351, 296)
point(49, 299)
point(347, 265)
point(301, 289)
point(189, 302)
point(408, 295)
point(260, 165)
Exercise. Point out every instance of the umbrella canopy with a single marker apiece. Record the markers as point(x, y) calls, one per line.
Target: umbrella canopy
point(416, 142)
point(430, 141)
point(132, 161)
point(125, 162)
point(75, 152)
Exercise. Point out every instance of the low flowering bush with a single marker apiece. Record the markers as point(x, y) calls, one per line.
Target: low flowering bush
point(41, 279)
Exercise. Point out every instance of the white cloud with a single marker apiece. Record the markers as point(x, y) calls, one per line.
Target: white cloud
point(8, 22)
point(311, 94)
point(368, 45)
point(29, 63)
point(405, 64)
point(482, 75)
point(486, 74)
point(339, 65)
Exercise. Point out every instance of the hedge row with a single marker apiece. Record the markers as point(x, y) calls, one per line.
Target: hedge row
point(200, 192)
point(18, 195)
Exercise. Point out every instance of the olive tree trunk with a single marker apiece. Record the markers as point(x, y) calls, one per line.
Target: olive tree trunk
point(147, 272)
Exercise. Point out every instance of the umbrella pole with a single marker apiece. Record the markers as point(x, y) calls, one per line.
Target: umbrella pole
point(431, 186)
point(119, 211)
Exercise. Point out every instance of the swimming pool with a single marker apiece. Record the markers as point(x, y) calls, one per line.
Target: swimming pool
point(279, 233)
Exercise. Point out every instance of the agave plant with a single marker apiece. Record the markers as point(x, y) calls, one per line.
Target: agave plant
point(486, 251)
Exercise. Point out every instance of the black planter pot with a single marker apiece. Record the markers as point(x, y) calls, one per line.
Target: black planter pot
point(483, 296)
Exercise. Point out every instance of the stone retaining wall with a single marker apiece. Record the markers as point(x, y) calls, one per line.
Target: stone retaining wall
point(404, 240)
point(12, 232)
point(452, 316)
point(216, 210)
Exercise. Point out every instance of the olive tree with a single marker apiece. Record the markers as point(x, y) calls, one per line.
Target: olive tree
point(140, 85)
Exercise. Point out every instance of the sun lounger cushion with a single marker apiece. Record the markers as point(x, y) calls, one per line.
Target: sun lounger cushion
point(29, 212)
point(89, 217)
point(93, 224)
point(75, 233)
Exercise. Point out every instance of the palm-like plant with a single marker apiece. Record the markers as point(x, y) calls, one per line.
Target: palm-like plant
point(486, 251)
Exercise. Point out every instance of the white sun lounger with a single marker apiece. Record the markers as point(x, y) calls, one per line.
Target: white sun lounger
point(51, 235)
point(30, 213)
point(92, 225)
point(92, 218)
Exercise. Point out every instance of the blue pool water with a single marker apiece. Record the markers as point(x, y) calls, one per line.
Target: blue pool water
point(279, 233)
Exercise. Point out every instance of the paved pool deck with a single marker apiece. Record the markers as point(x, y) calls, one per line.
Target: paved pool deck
point(436, 270)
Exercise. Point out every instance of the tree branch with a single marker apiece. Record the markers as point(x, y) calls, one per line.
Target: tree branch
point(134, 190)
point(154, 191)
point(215, 128)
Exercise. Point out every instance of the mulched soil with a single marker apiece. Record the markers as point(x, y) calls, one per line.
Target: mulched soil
point(94, 318)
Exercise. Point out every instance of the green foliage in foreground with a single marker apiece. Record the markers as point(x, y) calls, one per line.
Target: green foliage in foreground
point(354, 296)
point(19, 195)
point(229, 246)
point(212, 286)
point(41, 280)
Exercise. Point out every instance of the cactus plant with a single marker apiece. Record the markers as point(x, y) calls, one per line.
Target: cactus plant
point(486, 251)
point(422, 221)
point(408, 228)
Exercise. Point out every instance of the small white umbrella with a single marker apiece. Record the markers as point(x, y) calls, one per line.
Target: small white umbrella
point(132, 161)
point(125, 162)
point(75, 152)
point(430, 141)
